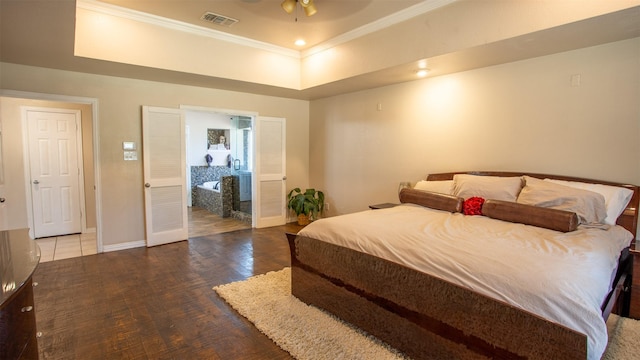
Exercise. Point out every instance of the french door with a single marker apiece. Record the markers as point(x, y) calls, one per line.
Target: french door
point(270, 166)
point(164, 158)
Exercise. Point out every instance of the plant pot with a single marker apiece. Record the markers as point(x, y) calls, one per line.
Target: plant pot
point(303, 219)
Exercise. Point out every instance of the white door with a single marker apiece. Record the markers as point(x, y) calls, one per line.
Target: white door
point(54, 170)
point(270, 184)
point(164, 158)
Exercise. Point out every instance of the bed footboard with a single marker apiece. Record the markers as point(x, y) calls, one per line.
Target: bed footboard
point(418, 314)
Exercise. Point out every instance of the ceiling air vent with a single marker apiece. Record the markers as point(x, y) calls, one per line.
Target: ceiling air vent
point(218, 19)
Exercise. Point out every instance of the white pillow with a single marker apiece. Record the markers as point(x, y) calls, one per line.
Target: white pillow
point(487, 187)
point(439, 186)
point(587, 204)
point(616, 198)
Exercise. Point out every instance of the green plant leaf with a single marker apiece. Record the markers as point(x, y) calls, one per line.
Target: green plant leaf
point(310, 202)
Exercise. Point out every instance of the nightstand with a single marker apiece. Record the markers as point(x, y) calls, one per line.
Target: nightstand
point(634, 306)
point(382, 206)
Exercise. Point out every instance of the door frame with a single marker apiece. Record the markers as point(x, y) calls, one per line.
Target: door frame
point(96, 143)
point(27, 163)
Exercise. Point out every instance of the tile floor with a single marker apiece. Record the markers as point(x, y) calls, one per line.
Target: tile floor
point(68, 246)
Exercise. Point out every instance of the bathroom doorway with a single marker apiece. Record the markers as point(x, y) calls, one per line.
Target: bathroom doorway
point(219, 170)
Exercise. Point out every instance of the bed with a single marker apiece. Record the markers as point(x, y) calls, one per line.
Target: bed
point(471, 302)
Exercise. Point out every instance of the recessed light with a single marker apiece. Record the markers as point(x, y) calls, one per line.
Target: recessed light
point(422, 73)
point(300, 42)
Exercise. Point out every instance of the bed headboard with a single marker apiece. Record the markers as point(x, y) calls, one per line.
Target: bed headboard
point(628, 219)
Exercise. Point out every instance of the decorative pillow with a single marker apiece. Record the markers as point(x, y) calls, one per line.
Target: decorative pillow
point(588, 205)
point(616, 198)
point(472, 206)
point(548, 218)
point(431, 200)
point(488, 187)
point(439, 186)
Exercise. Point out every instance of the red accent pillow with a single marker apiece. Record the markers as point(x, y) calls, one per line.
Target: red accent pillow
point(473, 206)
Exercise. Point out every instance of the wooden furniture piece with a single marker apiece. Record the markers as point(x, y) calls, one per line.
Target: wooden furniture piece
point(396, 304)
point(634, 305)
point(19, 257)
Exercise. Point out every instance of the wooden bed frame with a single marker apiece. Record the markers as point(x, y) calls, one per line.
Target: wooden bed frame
point(426, 317)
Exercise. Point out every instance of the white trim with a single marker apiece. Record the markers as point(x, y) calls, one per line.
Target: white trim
point(187, 169)
point(97, 171)
point(79, 146)
point(218, 110)
point(96, 143)
point(382, 23)
point(117, 11)
point(26, 176)
point(124, 246)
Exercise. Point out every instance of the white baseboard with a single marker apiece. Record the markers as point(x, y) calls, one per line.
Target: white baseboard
point(124, 246)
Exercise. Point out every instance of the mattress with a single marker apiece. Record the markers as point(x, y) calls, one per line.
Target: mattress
point(562, 277)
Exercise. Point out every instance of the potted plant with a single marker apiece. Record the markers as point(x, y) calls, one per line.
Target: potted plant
point(306, 205)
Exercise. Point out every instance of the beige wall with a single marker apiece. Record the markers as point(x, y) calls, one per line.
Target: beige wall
point(518, 116)
point(119, 119)
point(11, 119)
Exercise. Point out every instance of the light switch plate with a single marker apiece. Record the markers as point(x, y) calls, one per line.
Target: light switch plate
point(128, 145)
point(131, 155)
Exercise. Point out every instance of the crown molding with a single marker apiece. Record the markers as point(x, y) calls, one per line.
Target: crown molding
point(387, 21)
point(125, 13)
point(382, 23)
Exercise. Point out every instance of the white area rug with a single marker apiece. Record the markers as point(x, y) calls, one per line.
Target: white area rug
point(308, 333)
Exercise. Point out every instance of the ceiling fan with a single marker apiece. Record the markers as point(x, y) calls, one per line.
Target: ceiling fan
point(308, 5)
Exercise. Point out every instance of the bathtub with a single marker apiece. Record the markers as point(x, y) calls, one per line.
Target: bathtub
point(208, 196)
point(211, 185)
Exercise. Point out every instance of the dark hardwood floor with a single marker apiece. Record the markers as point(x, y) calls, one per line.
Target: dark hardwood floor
point(157, 303)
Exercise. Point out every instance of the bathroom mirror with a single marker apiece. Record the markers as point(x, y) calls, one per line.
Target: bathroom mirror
point(218, 139)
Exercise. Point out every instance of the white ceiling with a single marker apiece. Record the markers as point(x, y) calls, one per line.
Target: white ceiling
point(266, 21)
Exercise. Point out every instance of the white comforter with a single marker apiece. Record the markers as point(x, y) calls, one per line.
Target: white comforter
point(562, 277)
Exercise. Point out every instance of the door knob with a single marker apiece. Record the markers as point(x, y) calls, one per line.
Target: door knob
point(2, 200)
point(36, 182)
point(147, 185)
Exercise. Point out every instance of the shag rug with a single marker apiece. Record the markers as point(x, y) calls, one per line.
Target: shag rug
point(308, 333)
